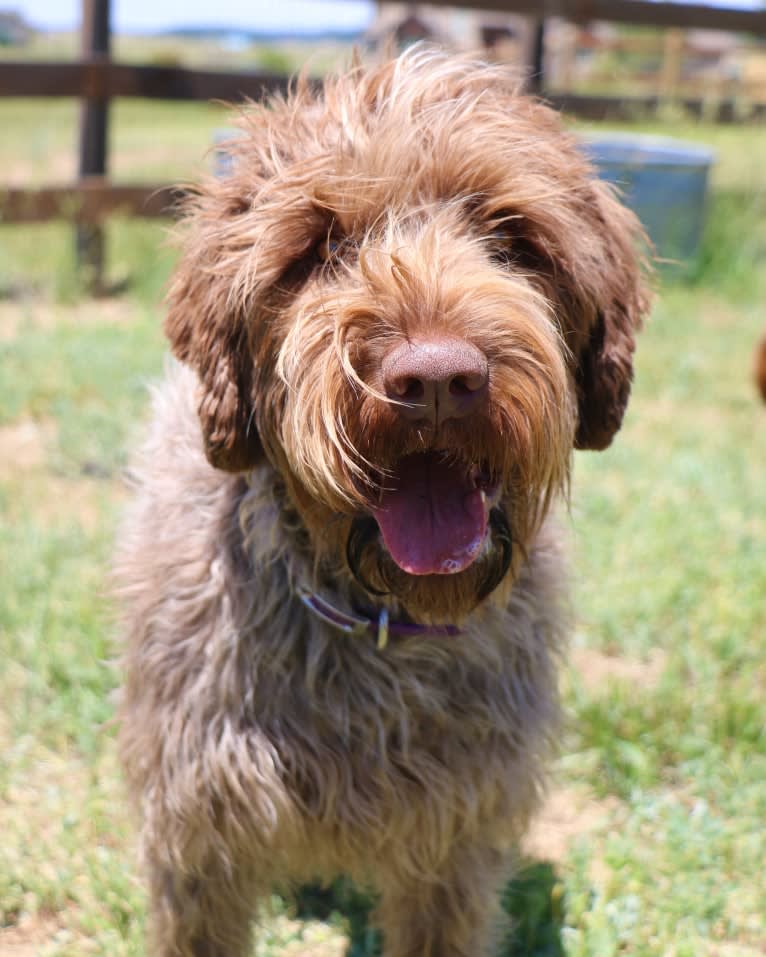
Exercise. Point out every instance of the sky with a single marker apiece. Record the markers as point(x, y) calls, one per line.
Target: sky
point(130, 16)
point(268, 15)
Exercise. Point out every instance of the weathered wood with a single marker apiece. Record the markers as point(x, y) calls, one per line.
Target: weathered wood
point(46, 78)
point(536, 78)
point(94, 122)
point(172, 83)
point(639, 12)
point(630, 108)
point(90, 202)
point(669, 78)
point(100, 79)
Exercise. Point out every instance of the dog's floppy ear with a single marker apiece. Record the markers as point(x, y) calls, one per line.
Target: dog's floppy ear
point(208, 331)
point(760, 368)
point(611, 294)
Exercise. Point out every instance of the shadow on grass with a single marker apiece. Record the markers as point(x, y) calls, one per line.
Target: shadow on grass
point(533, 900)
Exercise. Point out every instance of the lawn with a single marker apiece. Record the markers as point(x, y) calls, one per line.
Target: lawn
point(652, 842)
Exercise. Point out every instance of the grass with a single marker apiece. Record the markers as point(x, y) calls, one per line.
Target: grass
point(207, 53)
point(659, 841)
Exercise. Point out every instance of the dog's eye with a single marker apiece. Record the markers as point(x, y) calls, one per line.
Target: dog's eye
point(501, 256)
point(500, 251)
point(327, 249)
point(508, 250)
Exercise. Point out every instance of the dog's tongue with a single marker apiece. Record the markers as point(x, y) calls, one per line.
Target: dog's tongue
point(433, 519)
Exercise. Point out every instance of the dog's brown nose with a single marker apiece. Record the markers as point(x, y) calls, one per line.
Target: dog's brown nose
point(436, 379)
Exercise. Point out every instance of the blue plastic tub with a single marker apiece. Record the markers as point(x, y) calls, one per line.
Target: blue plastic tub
point(664, 181)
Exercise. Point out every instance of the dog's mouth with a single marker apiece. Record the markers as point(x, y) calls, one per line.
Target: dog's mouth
point(433, 513)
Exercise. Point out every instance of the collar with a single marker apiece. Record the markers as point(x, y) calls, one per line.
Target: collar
point(379, 628)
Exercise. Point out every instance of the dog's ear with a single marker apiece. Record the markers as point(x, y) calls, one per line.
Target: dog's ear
point(760, 368)
point(611, 296)
point(207, 330)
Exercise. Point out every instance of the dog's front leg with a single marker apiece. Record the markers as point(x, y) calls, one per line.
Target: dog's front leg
point(206, 915)
point(454, 913)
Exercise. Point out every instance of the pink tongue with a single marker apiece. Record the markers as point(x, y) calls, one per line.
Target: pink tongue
point(434, 520)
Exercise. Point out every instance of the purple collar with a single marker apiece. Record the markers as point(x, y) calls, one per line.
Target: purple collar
point(379, 628)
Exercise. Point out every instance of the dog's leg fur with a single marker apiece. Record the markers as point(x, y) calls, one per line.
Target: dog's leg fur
point(199, 916)
point(456, 916)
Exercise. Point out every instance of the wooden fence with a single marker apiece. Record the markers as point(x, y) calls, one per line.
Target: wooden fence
point(95, 79)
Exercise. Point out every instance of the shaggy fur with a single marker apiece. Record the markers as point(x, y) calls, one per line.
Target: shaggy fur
point(424, 201)
point(759, 368)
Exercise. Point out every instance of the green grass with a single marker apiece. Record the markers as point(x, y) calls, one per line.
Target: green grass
point(39, 142)
point(206, 53)
point(664, 757)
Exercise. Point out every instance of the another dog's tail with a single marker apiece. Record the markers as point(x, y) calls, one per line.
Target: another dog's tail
point(760, 367)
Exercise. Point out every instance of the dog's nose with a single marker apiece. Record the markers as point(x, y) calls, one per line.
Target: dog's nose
point(436, 379)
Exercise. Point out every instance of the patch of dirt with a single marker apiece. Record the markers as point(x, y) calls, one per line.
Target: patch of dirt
point(27, 938)
point(597, 671)
point(658, 411)
point(11, 318)
point(68, 499)
point(24, 444)
point(59, 167)
point(42, 314)
point(53, 499)
point(6, 737)
point(567, 814)
point(736, 950)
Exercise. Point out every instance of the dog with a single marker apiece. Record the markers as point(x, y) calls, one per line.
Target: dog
point(343, 587)
point(759, 368)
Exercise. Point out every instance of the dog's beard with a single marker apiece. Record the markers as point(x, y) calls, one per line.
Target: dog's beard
point(378, 574)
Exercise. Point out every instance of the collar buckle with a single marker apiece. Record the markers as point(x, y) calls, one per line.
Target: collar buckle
point(382, 629)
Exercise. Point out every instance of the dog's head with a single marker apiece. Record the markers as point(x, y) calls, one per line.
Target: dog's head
point(413, 295)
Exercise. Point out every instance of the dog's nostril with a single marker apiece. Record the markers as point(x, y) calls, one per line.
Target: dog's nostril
point(408, 390)
point(467, 385)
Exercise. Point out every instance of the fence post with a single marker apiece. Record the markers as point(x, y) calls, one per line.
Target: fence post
point(672, 61)
point(94, 118)
point(536, 76)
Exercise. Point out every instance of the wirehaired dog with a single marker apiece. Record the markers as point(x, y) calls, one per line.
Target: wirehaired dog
point(343, 589)
point(759, 368)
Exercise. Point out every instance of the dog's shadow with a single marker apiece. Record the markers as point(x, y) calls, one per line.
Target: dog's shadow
point(533, 900)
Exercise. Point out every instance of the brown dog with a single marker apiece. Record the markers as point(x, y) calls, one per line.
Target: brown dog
point(759, 368)
point(344, 593)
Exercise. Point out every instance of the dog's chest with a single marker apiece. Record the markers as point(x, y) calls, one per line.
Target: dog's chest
point(370, 737)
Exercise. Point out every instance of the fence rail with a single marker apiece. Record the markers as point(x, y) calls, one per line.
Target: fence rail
point(102, 79)
point(89, 202)
point(96, 79)
point(92, 79)
point(638, 12)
